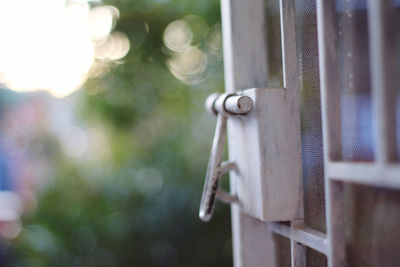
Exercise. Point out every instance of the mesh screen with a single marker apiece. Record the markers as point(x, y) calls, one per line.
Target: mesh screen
point(311, 126)
point(273, 44)
point(354, 76)
point(315, 259)
point(372, 217)
point(395, 36)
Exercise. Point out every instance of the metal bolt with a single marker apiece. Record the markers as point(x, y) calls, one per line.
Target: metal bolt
point(238, 104)
point(229, 104)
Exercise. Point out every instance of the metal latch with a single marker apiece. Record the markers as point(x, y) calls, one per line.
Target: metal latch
point(223, 106)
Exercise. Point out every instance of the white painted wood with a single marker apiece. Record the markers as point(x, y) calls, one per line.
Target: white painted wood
point(265, 144)
point(366, 173)
point(306, 236)
point(267, 152)
point(244, 44)
point(330, 109)
point(245, 67)
point(297, 254)
point(337, 229)
point(253, 244)
point(329, 80)
point(290, 83)
point(385, 81)
point(287, 134)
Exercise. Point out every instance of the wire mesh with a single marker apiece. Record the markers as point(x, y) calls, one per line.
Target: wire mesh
point(315, 259)
point(311, 124)
point(273, 44)
point(355, 81)
point(395, 36)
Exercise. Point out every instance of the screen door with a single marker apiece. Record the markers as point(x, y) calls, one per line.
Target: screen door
point(345, 58)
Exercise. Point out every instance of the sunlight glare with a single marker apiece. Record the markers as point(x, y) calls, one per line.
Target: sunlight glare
point(47, 45)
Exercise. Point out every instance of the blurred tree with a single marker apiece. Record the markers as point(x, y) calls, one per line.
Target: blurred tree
point(137, 205)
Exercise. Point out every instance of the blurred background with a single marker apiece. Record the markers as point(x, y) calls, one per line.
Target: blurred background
point(104, 140)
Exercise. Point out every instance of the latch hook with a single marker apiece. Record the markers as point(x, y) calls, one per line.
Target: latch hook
point(223, 106)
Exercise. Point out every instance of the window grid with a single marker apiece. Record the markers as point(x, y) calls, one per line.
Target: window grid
point(383, 172)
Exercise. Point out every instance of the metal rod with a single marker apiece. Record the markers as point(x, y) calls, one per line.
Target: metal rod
point(226, 197)
point(227, 166)
point(211, 181)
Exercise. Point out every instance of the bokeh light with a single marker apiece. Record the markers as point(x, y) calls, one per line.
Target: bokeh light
point(101, 21)
point(188, 65)
point(57, 47)
point(188, 60)
point(74, 141)
point(115, 47)
point(178, 35)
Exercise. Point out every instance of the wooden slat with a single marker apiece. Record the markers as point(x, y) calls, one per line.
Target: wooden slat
point(297, 254)
point(330, 109)
point(329, 79)
point(244, 43)
point(245, 67)
point(253, 244)
point(366, 173)
point(306, 236)
point(290, 83)
point(382, 27)
point(337, 231)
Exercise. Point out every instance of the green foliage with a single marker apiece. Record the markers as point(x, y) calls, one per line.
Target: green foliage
point(137, 206)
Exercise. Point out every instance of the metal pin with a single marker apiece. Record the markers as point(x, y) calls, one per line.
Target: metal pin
point(229, 104)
